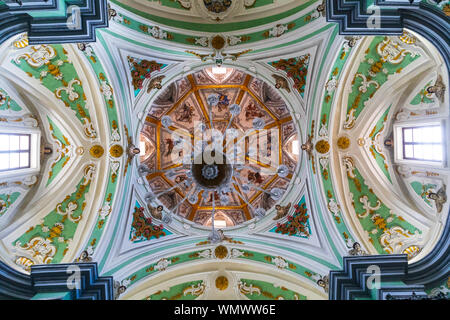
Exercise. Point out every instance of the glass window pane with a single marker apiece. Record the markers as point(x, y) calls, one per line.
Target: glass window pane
point(417, 135)
point(407, 135)
point(418, 151)
point(4, 142)
point(24, 160)
point(437, 152)
point(14, 160)
point(409, 151)
point(24, 142)
point(14, 143)
point(428, 151)
point(437, 134)
point(4, 161)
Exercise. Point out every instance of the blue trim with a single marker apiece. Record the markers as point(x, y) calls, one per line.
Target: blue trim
point(32, 5)
point(14, 284)
point(53, 29)
point(429, 272)
point(53, 278)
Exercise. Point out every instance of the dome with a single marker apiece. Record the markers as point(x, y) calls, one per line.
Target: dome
point(212, 112)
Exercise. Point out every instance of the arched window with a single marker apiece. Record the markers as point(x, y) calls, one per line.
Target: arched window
point(15, 151)
point(19, 151)
point(421, 143)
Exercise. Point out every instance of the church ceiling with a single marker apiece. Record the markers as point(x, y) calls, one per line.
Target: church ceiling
point(185, 108)
point(116, 186)
point(199, 15)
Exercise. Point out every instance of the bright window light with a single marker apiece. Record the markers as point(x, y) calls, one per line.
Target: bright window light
point(295, 147)
point(423, 143)
point(220, 224)
point(14, 151)
point(142, 147)
point(219, 70)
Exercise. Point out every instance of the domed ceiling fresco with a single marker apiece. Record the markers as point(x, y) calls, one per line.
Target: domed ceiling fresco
point(186, 103)
point(306, 129)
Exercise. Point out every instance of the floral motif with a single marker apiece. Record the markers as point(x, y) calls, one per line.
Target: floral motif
point(6, 103)
point(296, 69)
point(142, 227)
point(141, 70)
point(297, 224)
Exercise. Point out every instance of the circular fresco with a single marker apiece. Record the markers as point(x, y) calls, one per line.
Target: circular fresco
point(223, 141)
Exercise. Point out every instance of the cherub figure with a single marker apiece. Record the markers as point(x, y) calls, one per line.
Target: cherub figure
point(85, 256)
point(155, 83)
point(356, 250)
point(156, 212)
point(440, 197)
point(308, 147)
point(282, 211)
point(281, 83)
point(438, 88)
point(321, 8)
point(323, 282)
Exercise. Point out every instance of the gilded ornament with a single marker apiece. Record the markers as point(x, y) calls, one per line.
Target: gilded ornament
point(22, 42)
point(79, 151)
point(218, 42)
point(343, 143)
point(411, 251)
point(221, 252)
point(361, 142)
point(407, 38)
point(322, 146)
point(221, 283)
point(116, 151)
point(97, 151)
point(217, 6)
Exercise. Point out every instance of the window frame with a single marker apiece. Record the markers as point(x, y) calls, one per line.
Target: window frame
point(34, 151)
point(399, 145)
point(28, 135)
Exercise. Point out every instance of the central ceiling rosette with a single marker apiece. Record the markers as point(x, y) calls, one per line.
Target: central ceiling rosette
point(220, 148)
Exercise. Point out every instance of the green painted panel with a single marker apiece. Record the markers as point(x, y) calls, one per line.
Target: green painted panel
point(379, 218)
point(380, 158)
point(328, 187)
point(49, 240)
point(58, 75)
point(158, 33)
point(225, 27)
point(206, 253)
point(113, 120)
point(267, 291)
point(170, 3)
point(58, 165)
point(260, 3)
point(179, 292)
point(423, 190)
point(7, 200)
point(374, 70)
point(421, 97)
point(6, 103)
